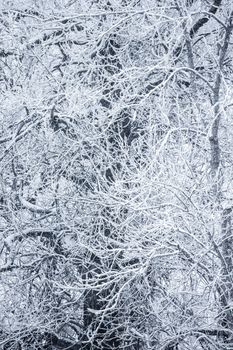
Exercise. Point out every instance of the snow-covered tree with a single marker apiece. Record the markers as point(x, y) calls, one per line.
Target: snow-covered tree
point(116, 174)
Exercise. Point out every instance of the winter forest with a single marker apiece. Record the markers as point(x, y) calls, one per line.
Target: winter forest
point(116, 175)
